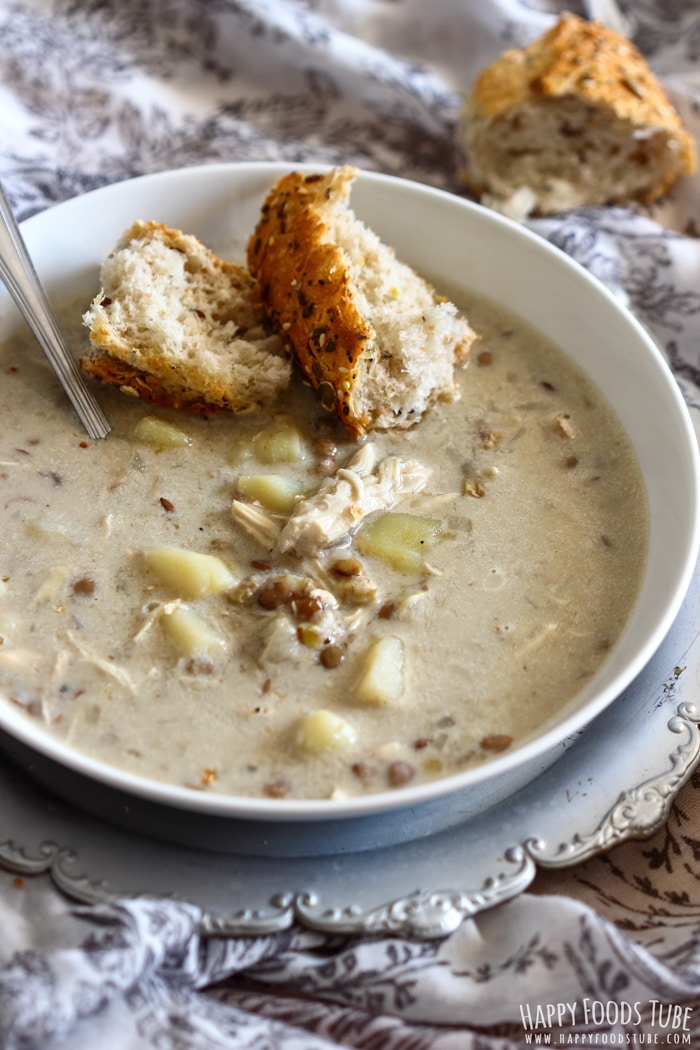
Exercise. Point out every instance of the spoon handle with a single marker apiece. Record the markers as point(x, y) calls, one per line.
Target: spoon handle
point(19, 276)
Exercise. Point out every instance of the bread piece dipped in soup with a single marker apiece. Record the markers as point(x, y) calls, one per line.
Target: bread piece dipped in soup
point(371, 335)
point(176, 325)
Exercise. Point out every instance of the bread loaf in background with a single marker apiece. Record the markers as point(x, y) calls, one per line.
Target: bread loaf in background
point(577, 118)
point(176, 325)
point(371, 335)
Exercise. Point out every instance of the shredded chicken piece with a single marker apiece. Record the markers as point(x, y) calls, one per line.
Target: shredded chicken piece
point(348, 496)
point(153, 614)
point(258, 523)
point(60, 665)
point(20, 658)
point(279, 641)
point(52, 584)
point(537, 639)
point(113, 670)
point(107, 524)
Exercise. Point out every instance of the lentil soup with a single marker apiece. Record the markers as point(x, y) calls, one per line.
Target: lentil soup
point(260, 607)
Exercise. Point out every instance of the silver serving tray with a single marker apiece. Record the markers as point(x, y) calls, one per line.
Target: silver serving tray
point(614, 781)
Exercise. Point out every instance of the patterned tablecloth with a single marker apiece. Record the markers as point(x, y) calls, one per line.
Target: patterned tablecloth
point(606, 953)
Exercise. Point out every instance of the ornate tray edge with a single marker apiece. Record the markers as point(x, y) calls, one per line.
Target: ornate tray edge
point(637, 813)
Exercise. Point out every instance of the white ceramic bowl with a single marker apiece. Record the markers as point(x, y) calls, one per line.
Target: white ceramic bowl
point(455, 243)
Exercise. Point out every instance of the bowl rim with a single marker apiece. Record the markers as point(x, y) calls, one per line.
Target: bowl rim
point(531, 749)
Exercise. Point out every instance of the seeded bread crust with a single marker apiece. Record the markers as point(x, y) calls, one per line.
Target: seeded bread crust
point(371, 335)
point(148, 387)
point(598, 84)
point(180, 327)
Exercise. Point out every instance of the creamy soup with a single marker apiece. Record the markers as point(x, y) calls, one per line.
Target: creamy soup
point(366, 616)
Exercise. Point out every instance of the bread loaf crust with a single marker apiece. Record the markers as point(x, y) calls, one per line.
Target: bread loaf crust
point(305, 285)
point(314, 289)
point(588, 62)
point(148, 386)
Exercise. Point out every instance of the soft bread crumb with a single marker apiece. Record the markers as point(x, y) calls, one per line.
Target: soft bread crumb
point(518, 207)
point(370, 334)
point(577, 118)
point(179, 326)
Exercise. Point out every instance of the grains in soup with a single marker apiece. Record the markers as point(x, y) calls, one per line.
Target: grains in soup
point(455, 587)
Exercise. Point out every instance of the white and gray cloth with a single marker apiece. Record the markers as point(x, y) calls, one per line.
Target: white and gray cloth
point(92, 92)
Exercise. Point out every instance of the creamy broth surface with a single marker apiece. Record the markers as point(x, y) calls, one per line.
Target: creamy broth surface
point(536, 525)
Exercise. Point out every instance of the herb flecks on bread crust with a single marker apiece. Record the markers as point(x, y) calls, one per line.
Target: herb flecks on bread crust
point(372, 337)
point(577, 118)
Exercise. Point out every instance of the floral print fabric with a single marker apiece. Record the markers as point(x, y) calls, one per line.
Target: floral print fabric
point(92, 92)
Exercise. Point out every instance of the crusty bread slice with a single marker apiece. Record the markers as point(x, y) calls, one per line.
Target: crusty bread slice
point(370, 334)
point(577, 118)
point(176, 325)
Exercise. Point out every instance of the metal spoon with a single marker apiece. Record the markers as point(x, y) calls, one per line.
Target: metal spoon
point(20, 278)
